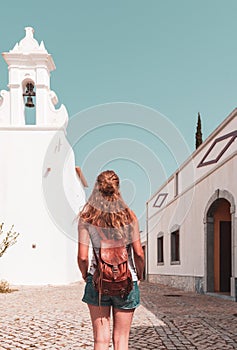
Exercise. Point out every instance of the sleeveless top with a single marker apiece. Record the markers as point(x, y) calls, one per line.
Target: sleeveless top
point(95, 240)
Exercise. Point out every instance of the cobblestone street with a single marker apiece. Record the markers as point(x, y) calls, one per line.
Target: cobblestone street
point(53, 317)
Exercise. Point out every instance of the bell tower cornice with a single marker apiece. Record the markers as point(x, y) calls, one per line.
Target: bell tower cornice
point(29, 53)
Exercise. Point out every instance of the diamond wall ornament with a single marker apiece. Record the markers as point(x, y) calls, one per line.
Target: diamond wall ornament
point(217, 149)
point(160, 200)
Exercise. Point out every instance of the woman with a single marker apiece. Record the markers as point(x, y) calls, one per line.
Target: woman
point(106, 211)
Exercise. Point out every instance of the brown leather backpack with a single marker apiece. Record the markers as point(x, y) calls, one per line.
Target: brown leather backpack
point(112, 275)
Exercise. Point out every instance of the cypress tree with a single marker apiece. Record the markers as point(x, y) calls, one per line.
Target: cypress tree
point(199, 132)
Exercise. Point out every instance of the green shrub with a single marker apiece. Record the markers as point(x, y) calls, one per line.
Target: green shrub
point(8, 240)
point(4, 287)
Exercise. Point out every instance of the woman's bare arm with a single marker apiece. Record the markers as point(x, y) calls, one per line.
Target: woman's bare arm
point(83, 247)
point(137, 250)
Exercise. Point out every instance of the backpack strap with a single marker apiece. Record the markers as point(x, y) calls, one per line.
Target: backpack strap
point(102, 237)
point(100, 278)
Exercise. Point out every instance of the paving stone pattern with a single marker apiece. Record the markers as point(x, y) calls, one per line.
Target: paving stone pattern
point(53, 317)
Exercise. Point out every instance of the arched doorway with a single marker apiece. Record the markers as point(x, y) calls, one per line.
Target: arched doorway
point(218, 246)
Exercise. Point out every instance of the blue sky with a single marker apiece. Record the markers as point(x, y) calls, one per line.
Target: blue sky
point(176, 57)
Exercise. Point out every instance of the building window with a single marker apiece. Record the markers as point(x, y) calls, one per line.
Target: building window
point(160, 249)
point(175, 249)
point(176, 184)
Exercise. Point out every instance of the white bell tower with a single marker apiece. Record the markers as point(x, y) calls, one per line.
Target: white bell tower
point(40, 191)
point(30, 64)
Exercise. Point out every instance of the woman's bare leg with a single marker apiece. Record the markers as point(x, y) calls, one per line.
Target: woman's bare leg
point(100, 318)
point(122, 320)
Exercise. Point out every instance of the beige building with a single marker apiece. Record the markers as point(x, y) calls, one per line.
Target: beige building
point(191, 219)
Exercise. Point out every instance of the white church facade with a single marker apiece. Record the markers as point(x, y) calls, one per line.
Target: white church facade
point(192, 220)
point(40, 190)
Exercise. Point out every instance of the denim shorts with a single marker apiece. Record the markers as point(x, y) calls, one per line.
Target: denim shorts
point(91, 296)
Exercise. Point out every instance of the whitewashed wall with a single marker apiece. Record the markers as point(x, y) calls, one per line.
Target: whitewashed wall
point(41, 195)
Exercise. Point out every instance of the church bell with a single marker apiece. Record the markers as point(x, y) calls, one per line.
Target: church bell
point(29, 93)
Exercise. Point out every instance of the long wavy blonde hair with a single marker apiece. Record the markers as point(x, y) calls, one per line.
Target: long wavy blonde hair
point(106, 208)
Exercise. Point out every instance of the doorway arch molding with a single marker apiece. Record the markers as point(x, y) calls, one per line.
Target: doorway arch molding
point(220, 194)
